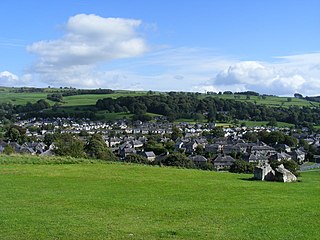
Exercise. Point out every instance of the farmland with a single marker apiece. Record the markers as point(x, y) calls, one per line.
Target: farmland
point(127, 201)
point(78, 103)
point(7, 95)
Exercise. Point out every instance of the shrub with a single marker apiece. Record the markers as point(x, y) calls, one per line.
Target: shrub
point(179, 160)
point(241, 166)
point(8, 150)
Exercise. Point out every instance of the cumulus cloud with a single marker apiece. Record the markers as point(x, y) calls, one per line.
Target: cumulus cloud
point(291, 74)
point(88, 40)
point(103, 52)
point(8, 78)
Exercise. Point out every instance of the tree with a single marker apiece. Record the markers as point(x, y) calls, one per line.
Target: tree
point(212, 113)
point(250, 136)
point(68, 145)
point(169, 146)
point(49, 138)
point(217, 132)
point(15, 134)
point(200, 149)
point(241, 166)
point(176, 133)
point(272, 122)
point(97, 148)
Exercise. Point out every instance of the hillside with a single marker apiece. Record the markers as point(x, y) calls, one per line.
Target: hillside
point(9, 95)
point(109, 105)
point(123, 201)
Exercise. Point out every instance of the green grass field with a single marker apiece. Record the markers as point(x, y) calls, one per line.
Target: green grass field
point(264, 123)
point(77, 100)
point(123, 201)
point(90, 99)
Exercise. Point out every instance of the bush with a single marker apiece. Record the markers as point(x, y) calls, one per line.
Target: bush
point(179, 160)
point(8, 150)
point(241, 166)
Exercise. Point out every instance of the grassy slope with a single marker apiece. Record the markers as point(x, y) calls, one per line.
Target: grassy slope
point(90, 99)
point(115, 201)
point(82, 102)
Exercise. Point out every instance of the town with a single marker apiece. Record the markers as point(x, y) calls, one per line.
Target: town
point(205, 144)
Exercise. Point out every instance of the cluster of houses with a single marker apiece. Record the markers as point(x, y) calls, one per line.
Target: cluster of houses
point(125, 139)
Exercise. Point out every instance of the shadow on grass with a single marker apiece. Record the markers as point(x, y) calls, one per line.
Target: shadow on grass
point(254, 179)
point(249, 179)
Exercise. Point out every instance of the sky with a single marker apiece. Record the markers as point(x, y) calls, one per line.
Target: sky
point(268, 46)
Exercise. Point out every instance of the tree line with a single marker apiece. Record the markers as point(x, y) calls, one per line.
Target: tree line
point(181, 105)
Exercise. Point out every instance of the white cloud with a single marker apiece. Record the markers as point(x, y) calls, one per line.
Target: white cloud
point(8, 78)
point(298, 73)
point(110, 53)
point(89, 40)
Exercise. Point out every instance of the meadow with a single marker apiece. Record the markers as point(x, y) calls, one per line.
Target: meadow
point(46, 199)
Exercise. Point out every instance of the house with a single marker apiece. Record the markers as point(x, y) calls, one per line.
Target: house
point(49, 152)
point(178, 145)
point(202, 141)
point(223, 162)
point(213, 148)
point(126, 151)
point(191, 147)
point(113, 141)
point(229, 148)
point(256, 158)
point(136, 144)
point(262, 150)
point(2, 146)
point(298, 156)
point(148, 155)
point(199, 160)
point(282, 148)
point(37, 147)
point(26, 150)
point(280, 156)
point(15, 146)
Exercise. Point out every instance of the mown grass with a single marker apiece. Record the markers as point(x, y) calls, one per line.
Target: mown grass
point(126, 201)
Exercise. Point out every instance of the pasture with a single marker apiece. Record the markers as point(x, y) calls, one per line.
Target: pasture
point(98, 200)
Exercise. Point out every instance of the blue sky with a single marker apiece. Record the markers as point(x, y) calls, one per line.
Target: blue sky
point(270, 46)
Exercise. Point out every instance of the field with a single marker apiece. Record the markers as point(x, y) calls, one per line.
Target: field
point(69, 101)
point(264, 123)
point(90, 99)
point(123, 201)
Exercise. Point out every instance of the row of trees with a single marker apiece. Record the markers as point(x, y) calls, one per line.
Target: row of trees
point(178, 105)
